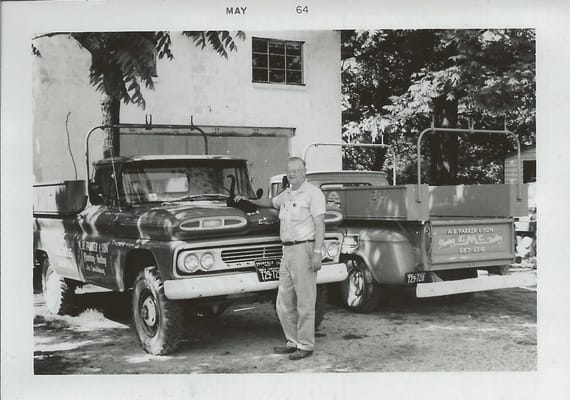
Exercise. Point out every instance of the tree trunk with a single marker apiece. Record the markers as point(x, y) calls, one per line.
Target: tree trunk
point(110, 110)
point(379, 158)
point(444, 146)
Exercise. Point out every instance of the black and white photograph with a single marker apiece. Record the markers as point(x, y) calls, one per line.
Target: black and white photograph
point(350, 203)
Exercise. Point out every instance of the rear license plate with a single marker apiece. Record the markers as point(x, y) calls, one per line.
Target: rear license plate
point(416, 277)
point(267, 269)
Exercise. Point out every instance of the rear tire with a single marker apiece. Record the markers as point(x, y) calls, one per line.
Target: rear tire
point(57, 291)
point(157, 320)
point(359, 291)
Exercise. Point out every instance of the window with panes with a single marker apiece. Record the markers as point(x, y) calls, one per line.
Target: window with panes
point(277, 61)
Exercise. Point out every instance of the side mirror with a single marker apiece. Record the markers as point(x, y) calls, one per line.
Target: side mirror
point(95, 193)
point(259, 193)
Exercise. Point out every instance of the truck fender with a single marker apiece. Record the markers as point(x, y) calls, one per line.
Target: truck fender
point(135, 261)
point(389, 252)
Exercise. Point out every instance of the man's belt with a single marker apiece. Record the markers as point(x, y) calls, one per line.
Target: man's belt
point(294, 242)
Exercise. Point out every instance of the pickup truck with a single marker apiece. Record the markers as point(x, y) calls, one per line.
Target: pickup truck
point(166, 230)
point(436, 240)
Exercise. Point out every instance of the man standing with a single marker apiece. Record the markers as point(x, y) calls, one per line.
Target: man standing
point(302, 209)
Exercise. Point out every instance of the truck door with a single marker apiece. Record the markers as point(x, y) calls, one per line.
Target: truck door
point(97, 223)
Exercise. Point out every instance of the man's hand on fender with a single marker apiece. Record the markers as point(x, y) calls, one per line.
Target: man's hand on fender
point(316, 262)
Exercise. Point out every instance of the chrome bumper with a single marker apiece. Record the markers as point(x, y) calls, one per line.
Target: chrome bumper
point(492, 282)
point(220, 285)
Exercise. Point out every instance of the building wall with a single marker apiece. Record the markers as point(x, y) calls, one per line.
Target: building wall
point(214, 90)
point(511, 164)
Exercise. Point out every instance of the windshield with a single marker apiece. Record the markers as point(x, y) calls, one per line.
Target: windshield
point(147, 183)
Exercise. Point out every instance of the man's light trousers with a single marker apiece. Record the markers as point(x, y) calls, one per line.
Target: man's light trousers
point(297, 295)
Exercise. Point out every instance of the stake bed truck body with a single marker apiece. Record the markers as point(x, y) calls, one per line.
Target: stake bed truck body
point(441, 240)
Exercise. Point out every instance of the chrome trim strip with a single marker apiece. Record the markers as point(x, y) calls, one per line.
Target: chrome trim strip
point(201, 220)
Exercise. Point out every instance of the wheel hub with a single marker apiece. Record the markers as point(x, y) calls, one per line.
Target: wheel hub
point(355, 287)
point(357, 283)
point(148, 311)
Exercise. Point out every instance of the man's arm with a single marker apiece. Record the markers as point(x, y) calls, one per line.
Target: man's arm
point(319, 241)
point(265, 202)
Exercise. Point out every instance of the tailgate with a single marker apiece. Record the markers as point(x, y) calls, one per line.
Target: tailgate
point(471, 243)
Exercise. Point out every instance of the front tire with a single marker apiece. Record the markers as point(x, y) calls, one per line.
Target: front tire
point(57, 291)
point(359, 292)
point(157, 320)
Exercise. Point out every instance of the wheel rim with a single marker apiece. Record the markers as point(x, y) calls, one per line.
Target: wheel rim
point(149, 313)
point(51, 294)
point(355, 287)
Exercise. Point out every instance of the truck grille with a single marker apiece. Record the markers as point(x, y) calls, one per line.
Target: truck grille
point(250, 254)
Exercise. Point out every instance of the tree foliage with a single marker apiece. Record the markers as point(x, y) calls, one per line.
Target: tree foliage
point(394, 79)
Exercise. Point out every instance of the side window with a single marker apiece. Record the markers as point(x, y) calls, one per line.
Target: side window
point(277, 61)
point(106, 180)
point(529, 171)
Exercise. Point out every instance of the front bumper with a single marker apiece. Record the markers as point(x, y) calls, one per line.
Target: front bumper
point(221, 285)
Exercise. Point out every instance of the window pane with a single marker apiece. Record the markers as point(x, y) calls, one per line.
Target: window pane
point(276, 47)
point(259, 45)
point(259, 75)
point(294, 63)
point(294, 77)
point(294, 48)
point(277, 62)
point(260, 60)
point(276, 75)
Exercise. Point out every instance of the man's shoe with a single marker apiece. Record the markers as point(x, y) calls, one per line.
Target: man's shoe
point(284, 350)
point(300, 353)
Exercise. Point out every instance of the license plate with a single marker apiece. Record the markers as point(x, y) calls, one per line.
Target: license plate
point(416, 277)
point(267, 269)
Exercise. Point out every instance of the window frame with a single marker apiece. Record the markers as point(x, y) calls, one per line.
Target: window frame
point(285, 69)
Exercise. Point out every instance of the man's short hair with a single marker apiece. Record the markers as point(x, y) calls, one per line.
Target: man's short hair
point(297, 159)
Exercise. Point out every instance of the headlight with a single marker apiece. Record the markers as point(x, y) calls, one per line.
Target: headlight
point(188, 263)
point(207, 261)
point(333, 249)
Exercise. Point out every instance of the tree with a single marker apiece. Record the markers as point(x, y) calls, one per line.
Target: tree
point(395, 83)
point(122, 61)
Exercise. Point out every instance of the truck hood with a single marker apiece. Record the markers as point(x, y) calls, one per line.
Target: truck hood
point(185, 220)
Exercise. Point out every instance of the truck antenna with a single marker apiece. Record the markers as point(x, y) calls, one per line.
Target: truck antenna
point(69, 143)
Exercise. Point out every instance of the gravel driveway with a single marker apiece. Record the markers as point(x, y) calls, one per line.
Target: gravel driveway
point(494, 331)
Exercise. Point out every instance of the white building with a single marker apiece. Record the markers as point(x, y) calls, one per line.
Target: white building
point(527, 170)
point(231, 93)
